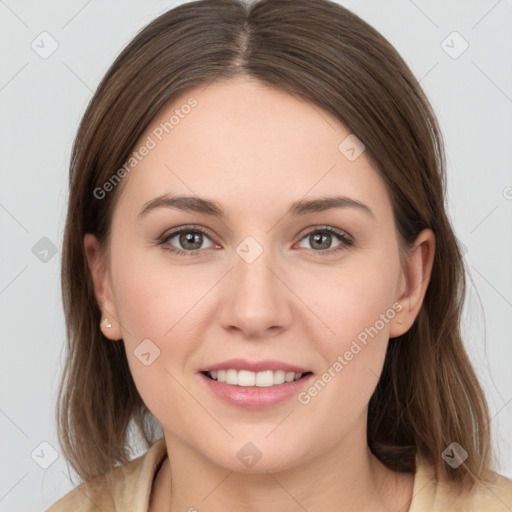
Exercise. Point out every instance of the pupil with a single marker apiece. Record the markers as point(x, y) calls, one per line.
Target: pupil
point(192, 238)
point(318, 238)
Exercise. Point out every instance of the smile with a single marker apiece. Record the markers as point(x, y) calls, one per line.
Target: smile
point(246, 378)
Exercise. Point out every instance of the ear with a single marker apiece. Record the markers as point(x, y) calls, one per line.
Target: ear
point(414, 280)
point(98, 267)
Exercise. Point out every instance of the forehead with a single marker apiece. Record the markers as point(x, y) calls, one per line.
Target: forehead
point(241, 140)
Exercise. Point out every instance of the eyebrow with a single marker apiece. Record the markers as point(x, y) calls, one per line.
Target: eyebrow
point(208, 207)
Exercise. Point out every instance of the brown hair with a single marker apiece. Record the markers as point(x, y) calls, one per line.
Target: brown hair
point(428, 395)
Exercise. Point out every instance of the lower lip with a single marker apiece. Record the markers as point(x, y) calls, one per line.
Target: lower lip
point(253, 397)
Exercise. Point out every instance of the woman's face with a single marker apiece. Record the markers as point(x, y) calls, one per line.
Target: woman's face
point(262, 290)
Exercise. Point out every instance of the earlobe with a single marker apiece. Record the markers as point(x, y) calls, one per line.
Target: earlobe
point(102, 288)
point(414, 281)
point(110, 327)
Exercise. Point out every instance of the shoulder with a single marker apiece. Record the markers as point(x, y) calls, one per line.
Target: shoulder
point(495, 496)
point(123, 488)
point(429, 495)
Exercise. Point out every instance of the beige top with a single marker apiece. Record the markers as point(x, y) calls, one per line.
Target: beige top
point(127, 489)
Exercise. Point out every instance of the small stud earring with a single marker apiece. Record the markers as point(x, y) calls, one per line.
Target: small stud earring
point(107, 324)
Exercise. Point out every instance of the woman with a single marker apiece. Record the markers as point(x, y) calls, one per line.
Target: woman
point(257, 258)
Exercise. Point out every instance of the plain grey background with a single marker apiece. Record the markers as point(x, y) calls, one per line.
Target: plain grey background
point(42, 100)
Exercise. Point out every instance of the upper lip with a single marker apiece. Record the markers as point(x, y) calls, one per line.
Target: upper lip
point(254, 366)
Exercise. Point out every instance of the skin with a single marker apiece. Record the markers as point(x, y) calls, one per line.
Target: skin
point(255, 150)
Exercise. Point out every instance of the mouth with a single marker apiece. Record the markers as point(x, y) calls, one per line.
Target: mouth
point(251, 384)
point(260, 379)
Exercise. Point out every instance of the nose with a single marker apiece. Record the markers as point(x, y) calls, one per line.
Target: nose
point(256, 301)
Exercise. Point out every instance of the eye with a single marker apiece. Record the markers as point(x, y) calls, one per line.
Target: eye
point(189, 240)
point(186, 241)
point(321, 240)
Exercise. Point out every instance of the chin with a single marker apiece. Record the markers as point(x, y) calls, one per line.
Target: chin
point(256, 457)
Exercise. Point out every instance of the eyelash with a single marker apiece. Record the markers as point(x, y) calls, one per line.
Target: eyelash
point(346, 241)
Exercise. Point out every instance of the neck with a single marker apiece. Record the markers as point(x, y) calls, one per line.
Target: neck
point(347, 478)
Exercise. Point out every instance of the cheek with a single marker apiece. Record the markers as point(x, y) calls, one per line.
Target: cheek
point(357, 307)
point(160, 310)
point(353, 299)
point(155, 299)
point(161, 314)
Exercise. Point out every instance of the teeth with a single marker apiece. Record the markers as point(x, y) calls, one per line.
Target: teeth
point(265, 379)
point(232, 377)
point(289, 376)
point(279, 377)
point(246, 378)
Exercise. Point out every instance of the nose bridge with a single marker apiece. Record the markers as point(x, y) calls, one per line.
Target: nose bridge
point(254, 276)
point(256, 300)
point(254, 281)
